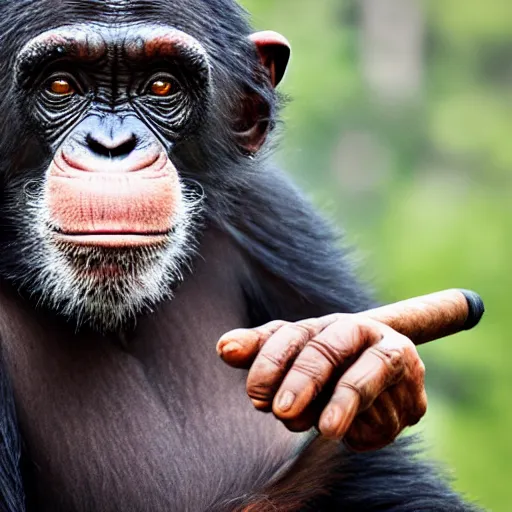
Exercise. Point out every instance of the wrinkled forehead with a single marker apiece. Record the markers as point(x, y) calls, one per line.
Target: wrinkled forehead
point(93, 42)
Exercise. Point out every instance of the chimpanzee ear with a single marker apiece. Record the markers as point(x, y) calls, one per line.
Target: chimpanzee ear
point(253, 122)
point(274, 50)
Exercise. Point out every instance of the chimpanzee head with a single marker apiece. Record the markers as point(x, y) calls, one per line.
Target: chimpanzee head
point(122, 121)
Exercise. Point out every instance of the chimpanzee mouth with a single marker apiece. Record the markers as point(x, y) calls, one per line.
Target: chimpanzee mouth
point(108, 255)
point(113, 239)
point(105, 275)
point(119, 256)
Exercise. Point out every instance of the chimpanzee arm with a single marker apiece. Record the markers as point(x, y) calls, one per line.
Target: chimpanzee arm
point(301, 272)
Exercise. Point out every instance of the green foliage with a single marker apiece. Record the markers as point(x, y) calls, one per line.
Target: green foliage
point(438, 213)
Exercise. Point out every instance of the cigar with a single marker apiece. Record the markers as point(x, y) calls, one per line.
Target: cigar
point(433, 316)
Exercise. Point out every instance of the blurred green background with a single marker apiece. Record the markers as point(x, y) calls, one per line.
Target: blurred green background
point(400, 128)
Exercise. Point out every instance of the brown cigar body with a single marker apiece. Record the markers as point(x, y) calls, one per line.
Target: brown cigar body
point(430, 317)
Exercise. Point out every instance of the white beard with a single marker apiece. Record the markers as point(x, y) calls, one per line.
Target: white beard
point(105, 288)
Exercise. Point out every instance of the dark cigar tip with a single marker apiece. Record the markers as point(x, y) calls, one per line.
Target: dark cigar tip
point(476, 308)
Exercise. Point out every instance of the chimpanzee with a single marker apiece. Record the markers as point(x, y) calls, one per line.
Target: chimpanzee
point(141, 220)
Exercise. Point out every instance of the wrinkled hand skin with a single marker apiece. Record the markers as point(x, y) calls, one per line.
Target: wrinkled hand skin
point(353, 378)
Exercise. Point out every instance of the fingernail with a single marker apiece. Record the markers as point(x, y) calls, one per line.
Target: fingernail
point(329, 420)
point(230, 347)
point(285, 401)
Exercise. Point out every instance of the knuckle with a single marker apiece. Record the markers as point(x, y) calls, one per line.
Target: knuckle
point(274, 325)
point(264, 378)
point(361, 394)
point(261, 391)
point(341, 340)
point(420, 410)
point(412, 356)
point(409, 348)
point(265, 331)
point(295, 337)
point(272, 364)
point(312, 371)
point(416, 369)
point(278, 361)
point(421, 368)
point(394, 339)
point(340, 317)
point(297, 330)
point(328, 350)
point(392, 356)
point(282, 357)
point(350, 323)
point(420, 371)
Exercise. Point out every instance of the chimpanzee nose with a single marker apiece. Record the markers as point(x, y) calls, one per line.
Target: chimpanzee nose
point(117, 146)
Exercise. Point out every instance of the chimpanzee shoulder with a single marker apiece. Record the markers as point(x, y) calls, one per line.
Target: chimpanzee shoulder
point(300, 260)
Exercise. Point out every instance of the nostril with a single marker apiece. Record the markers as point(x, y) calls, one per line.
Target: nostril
point(112, 149)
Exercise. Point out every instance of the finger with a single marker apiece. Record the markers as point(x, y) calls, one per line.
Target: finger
point(239, 347)
point(308, 419)
point(410, 395)
point(378, 368)
point(378, 426)
point(400, 406)
point(275, 358)
point(323, 358)
point(422, 318)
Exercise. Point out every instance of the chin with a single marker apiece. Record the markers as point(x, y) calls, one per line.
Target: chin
point(105, 281)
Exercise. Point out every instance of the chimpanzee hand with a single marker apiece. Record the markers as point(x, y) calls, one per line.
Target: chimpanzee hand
point(354, 378)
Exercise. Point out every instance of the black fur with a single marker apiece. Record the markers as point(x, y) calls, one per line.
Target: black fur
point(298, 269)
point(393, 479)
point(12, 497)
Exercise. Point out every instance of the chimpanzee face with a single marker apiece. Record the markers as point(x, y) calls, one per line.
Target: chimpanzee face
point(112, 219)
point(108, 221)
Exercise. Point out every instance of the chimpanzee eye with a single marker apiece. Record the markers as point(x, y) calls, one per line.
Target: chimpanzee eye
point(61, 87)
point(162, 86)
